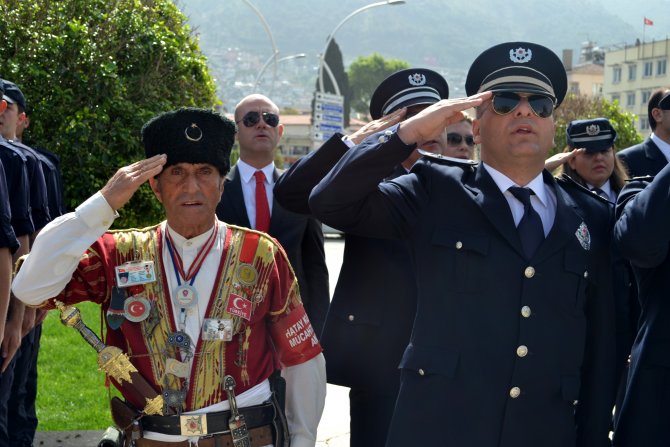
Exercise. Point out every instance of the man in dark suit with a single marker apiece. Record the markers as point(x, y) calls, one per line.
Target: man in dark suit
point(370, 317)
point(247, 200)
point(641, 234)
point(650, 156)
point(513, 340)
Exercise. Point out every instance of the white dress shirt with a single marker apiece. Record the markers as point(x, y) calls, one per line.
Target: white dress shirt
point(543, 200)
point(605, 188)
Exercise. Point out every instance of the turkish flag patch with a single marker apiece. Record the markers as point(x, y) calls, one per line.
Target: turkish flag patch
point(239, 306)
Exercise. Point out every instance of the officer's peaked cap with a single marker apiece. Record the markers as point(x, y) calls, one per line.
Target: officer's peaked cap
point(518, 67)
point(594, 135)
point(406, 88)
point(13, 94)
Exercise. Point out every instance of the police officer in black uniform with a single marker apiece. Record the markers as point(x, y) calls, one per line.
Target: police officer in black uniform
point(22, 416)
point(513, 340)
point(641, 235)
point(370, 317)
point(18, 188)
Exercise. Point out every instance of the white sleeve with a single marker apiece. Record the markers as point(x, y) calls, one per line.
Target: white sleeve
point(57, 249)
point(305, 399)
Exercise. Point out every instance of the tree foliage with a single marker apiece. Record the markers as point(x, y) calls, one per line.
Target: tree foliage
point(365, 74)
point(578, 107)
point(93, 71)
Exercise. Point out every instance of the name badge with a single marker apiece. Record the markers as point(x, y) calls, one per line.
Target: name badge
point(135, 273)
point(216, 329)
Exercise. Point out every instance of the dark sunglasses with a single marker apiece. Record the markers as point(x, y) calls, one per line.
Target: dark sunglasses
point(456, 138)
point(250, 119)
point(505, 102)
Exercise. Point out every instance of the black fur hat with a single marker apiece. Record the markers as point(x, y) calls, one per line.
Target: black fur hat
point(190, 135)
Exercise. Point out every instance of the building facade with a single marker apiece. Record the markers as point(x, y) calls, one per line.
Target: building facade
point(633, 73)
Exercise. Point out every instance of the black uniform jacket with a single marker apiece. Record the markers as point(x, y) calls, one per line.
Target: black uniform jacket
point(370, 318)
point(505, 351)
point(643, 237)
point(301, 238)
point(643, 159)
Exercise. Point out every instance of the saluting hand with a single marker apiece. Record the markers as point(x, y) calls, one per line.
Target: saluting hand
point(556, 160)
point(121, 187)
point(377, 125)
point(430, 122)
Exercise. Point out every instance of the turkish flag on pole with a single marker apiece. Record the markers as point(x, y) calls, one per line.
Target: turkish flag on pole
point(648, 22)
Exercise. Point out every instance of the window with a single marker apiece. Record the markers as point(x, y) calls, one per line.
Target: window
point(630, 99)
point(597, 89)
point(648, 69)
point(632, 70)
point(574, 87)
point(660, 67)
point(644, 123)
point(616, 75)
point(646, 94)
point(616, 98)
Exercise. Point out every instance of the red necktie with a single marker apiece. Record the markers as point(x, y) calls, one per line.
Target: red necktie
point(262, 207)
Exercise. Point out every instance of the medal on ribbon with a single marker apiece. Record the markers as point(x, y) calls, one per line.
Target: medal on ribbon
point(185, 296)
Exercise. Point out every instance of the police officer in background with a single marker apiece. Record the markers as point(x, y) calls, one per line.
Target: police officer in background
point(513, 340)
point(370, 317)
point(19, 189)
point(22, 416)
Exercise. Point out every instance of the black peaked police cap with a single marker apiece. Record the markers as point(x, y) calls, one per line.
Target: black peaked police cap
point(190, 135)
point(594, 135)
point(406, 88)
point(518, 67)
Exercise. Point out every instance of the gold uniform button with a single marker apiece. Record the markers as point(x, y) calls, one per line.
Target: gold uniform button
point(529, 272)
point(421, 372)
point(525, 311)
point(351, 318)
point(459, 245)
point(515, 392)
point(522, 351)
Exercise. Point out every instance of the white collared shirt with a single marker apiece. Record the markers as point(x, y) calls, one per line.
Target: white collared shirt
point(249, 187)
point(607, 189)
point(543, 200)
point(662, 145)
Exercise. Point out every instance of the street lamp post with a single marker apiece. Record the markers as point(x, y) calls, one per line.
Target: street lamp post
point(322, 59)
point(267, 63)
point(275, 51)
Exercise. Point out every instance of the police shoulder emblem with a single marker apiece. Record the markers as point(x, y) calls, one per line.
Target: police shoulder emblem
point(520, 55)
point(417, 79)
point(593, 130)
point(583, 236)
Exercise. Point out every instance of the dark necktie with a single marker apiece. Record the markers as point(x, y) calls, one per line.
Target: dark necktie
point(600, 192)
point(262, 207)
point(530, 227)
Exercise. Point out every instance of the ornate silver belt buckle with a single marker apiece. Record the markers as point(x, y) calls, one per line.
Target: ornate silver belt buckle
point(193, 424)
